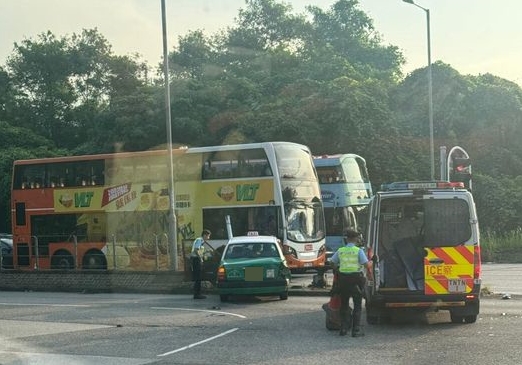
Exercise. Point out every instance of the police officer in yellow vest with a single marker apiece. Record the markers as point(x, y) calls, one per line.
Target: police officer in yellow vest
point(349, 262)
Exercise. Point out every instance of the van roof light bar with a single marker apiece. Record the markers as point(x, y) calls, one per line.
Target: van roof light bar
point(421, 185)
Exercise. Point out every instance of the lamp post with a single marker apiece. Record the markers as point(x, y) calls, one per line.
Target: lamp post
point(430, 89)
point(172, 210)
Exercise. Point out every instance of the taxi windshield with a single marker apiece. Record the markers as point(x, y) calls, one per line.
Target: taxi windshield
point(251, 250)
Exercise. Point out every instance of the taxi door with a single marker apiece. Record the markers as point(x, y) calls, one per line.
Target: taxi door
point(211, 260)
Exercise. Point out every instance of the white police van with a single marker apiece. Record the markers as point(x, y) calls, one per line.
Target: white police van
point(423, 241)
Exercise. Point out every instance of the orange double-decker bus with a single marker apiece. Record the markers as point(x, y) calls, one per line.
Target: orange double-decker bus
point(111, 211)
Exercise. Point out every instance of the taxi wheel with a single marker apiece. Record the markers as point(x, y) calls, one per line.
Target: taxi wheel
point(223, 298)
point(283, 296)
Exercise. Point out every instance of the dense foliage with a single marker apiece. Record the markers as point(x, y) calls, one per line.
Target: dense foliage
point(323, 78)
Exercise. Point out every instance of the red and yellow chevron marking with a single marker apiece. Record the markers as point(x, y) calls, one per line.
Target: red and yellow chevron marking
point(448, 270)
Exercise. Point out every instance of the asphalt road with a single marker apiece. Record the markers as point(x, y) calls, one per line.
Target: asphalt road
point(117, 329)
point(502, 278)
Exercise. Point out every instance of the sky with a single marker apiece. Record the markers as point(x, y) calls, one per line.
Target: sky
point(472, 36)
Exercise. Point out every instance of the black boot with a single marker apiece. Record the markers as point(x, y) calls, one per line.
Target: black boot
point(356, 329)
point(357, 332)
point(346, 325)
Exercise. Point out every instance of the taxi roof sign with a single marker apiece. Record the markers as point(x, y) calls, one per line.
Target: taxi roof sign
point(252, 233)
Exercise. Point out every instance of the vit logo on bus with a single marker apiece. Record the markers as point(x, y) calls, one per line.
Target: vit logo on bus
point(244, 192)
point(81, 200)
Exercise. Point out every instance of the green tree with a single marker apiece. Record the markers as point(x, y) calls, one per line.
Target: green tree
point(17, 144)
point(64, 83)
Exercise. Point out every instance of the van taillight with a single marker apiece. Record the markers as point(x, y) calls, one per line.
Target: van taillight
point(477, 262)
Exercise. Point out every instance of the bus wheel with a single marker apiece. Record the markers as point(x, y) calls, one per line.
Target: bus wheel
point(62, 260)
point(94, 261)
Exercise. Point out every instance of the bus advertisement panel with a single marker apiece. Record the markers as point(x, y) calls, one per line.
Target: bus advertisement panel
point(112, 211)
point(346, 191)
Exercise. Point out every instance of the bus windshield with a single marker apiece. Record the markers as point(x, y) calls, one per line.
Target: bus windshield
point(301, 194)
point(294, 163)
point(305, 221)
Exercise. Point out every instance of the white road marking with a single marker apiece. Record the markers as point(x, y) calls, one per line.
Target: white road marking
point(59, 359)
point(21, 329)
point(198, 343)
point(200, 310)
point(46, 305)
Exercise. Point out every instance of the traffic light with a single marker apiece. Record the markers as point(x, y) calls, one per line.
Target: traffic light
point(461, 171)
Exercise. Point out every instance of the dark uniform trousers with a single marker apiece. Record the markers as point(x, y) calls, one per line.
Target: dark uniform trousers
point(351, 286)
point(196, 274)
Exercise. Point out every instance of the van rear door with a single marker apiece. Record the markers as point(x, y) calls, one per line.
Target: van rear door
point(448, 270)
point(449, 244)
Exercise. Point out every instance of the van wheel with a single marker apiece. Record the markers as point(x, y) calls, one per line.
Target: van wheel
point(457, 319)
point(372, 319)
point(373, 315)
point(470, 319)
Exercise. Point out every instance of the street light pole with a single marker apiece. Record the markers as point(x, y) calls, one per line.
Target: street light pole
point(430, 88)
point(172, 210)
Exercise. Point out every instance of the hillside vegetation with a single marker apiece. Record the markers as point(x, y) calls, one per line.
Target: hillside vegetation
point(325, 79)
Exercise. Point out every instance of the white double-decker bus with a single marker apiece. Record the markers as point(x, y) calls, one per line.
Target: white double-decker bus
point(346, 191)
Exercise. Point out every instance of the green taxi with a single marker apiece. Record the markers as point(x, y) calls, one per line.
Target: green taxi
point(253, 265)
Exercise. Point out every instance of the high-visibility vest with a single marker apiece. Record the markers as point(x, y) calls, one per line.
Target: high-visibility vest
point(349, 259)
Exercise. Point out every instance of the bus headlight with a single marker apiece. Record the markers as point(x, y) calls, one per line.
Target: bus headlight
point(287, 250)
